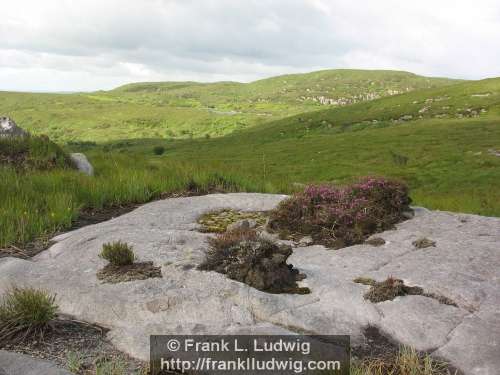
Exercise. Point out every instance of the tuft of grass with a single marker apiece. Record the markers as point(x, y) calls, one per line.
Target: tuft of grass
point(74, 362)
point(111, 367)
point(118, 253)
point(25, 313)
point(407, 361)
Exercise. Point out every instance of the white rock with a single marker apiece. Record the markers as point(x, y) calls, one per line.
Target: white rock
point(82, 163)
point(464, 266)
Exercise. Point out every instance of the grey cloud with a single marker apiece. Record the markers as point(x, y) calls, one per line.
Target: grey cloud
point(120, 41)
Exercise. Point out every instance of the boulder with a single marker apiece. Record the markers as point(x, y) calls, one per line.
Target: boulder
point(242, 224)
point(463, 266)
point(82, 163)
point(8, 128)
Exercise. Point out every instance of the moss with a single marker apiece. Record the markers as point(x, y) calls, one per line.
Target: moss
point(391, 288)
point(375, 241)
point(218, 221)
point(138, 271)
point(423, 243)
point(365, 281)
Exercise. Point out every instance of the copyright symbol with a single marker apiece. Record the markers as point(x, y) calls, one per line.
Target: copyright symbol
point(173, 345)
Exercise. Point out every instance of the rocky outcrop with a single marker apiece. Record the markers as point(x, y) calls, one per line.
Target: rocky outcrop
point(8, 128)
point(462, 266)
point(82, 163)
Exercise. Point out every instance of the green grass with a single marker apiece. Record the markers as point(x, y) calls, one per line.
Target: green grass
point(440, 152)
point(183, 110)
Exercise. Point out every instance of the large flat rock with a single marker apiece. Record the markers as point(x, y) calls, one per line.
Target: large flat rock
point(464, 266)
point(20, 364)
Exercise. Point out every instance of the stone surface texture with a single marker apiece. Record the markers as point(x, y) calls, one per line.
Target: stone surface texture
point(20, 364)
point(82, 163)
point(464, 266)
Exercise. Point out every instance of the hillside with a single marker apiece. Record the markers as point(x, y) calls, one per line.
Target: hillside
point(441, 141)
point(179, 110)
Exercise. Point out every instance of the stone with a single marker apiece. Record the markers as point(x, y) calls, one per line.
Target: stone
point(8, 128)
point(242, 224)
point(463, 266)
point(82, 164)
point(21, 364)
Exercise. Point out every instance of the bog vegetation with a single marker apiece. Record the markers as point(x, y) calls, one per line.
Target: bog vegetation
point(148, 141)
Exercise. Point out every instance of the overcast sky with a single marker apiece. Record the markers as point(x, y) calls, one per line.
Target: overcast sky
point(73, 45)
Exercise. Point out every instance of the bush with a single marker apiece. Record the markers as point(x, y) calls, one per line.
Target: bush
point(243, 255)
point(159, 150)
point(118, 253)
point(25, 312)
point(339, 217)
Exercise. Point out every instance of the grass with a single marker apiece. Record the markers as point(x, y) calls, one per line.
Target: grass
point(118, 253)
point(405, 362)
point(25, 312)
point(183, 110)
point(441, 152)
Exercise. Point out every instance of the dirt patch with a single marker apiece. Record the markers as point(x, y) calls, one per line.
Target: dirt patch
point(245, 256)
point(375, 241)
point(218, 221)
point(137, 271)
point(423, 243)
point(71, 342)
point(391, 288)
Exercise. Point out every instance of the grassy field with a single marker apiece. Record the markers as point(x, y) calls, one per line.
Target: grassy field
point(437, 139)
point(191, 110)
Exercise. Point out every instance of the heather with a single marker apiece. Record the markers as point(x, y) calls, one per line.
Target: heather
point(342, 216)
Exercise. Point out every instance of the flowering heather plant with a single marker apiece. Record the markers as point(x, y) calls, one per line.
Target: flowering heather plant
point(342, 216)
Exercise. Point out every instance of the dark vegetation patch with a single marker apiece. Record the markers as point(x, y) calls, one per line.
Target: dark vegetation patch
point(80, 347)
point(245, 256)
point(219, 220)
point(338, 217)
point(423, 243)
point(33, 153)
point(375, 241)
point(391, 288)
point(121, 267)
point(137, 271)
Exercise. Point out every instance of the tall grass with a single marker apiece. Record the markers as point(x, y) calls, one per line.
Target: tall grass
point(40, 203)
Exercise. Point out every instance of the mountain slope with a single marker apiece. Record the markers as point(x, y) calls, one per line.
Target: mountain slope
point(176, 110)
point(441, 141)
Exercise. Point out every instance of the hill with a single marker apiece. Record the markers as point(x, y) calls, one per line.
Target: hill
point(180, 110)
point(442, 141)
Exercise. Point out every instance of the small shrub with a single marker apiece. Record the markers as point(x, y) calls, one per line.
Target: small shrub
point(159, 150)
point(398, 159)
point(25, 312)
point(339, 217)
point(118, 253)
point(243, 255)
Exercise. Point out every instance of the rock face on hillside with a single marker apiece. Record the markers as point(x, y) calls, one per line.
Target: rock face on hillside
point(8, 128)
point(463, 266)
point(82, 163)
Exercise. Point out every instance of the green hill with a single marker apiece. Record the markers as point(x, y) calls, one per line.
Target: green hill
point(181, 110)
point(441, 141)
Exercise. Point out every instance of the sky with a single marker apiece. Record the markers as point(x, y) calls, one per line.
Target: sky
point(85, 45)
